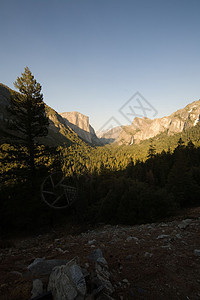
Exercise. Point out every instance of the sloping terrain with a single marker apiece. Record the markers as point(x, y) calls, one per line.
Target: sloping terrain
point(58, 133)
point(151, 261)
point(80, 124)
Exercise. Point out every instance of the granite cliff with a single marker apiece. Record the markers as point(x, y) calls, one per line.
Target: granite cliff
point(80, 124)
point(110, 136)
point(145, 128)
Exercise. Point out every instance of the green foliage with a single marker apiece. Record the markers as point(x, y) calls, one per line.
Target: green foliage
point(151, 151)
point(28, 113)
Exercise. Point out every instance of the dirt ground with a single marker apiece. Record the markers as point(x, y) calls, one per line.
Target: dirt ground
point(151, 261)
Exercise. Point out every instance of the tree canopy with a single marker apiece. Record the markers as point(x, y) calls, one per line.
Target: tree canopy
point(28, 110)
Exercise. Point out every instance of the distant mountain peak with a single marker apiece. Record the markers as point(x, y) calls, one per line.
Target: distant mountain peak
point(80, 124)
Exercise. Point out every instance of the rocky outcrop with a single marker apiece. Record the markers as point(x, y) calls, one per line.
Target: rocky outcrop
point(67, 280)
point(4, 101)
point(110, 136)
point(145, 128)
point(80, 124)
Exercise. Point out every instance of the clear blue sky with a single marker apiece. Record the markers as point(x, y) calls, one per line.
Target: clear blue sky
point(91, 56)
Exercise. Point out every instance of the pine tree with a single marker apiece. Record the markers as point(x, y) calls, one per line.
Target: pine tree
point(28, 109)
point(180, 143)
point(151, 151)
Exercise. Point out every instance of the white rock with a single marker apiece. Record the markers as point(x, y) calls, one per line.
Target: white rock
point(92, 242)
point(61, 250)
point(147, 254)
point(67, 282)
point(162, 236)
point(125, 280)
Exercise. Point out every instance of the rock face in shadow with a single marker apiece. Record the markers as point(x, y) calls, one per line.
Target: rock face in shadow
point(80, 124)
point(59, 132)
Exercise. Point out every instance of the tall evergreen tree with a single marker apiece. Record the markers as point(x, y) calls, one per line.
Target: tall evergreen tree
point(151, 151)
point(28, 108)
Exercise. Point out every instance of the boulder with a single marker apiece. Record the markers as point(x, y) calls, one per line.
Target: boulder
point(41, 267)
point(185, 223)
point(67, 282)
point(37, 288)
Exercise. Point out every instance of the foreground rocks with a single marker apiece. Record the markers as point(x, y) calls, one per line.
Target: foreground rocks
point(68, 281)
point(151, 261)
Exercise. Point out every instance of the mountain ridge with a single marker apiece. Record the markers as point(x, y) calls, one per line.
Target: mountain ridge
point(145, 128)
point(74, 127)
point(58, 132)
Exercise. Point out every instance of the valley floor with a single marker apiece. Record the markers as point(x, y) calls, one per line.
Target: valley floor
point(151, 261)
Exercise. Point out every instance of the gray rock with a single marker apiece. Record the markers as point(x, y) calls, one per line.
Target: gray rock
point(185, 223)
point(147, 254)
point(85, 273)
point(42, 267)
point(178, 236)
point(16, 273)
point(162, 236)
point(125, 281)
point(129, 257)
point(130, 238)
point(61, 250)
point(197, 252)
point(164, 225)
point(37, 288)
point(95, 255)
point(101, 261)
point(103, 275)
point(92, 242)
point(67, 282)
point(35, 262)
point(168, 247)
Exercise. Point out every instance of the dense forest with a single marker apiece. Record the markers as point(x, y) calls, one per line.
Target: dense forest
point(116, 184)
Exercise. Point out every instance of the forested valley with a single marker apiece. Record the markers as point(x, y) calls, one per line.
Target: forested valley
point(115, 184)
point(111, 184)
